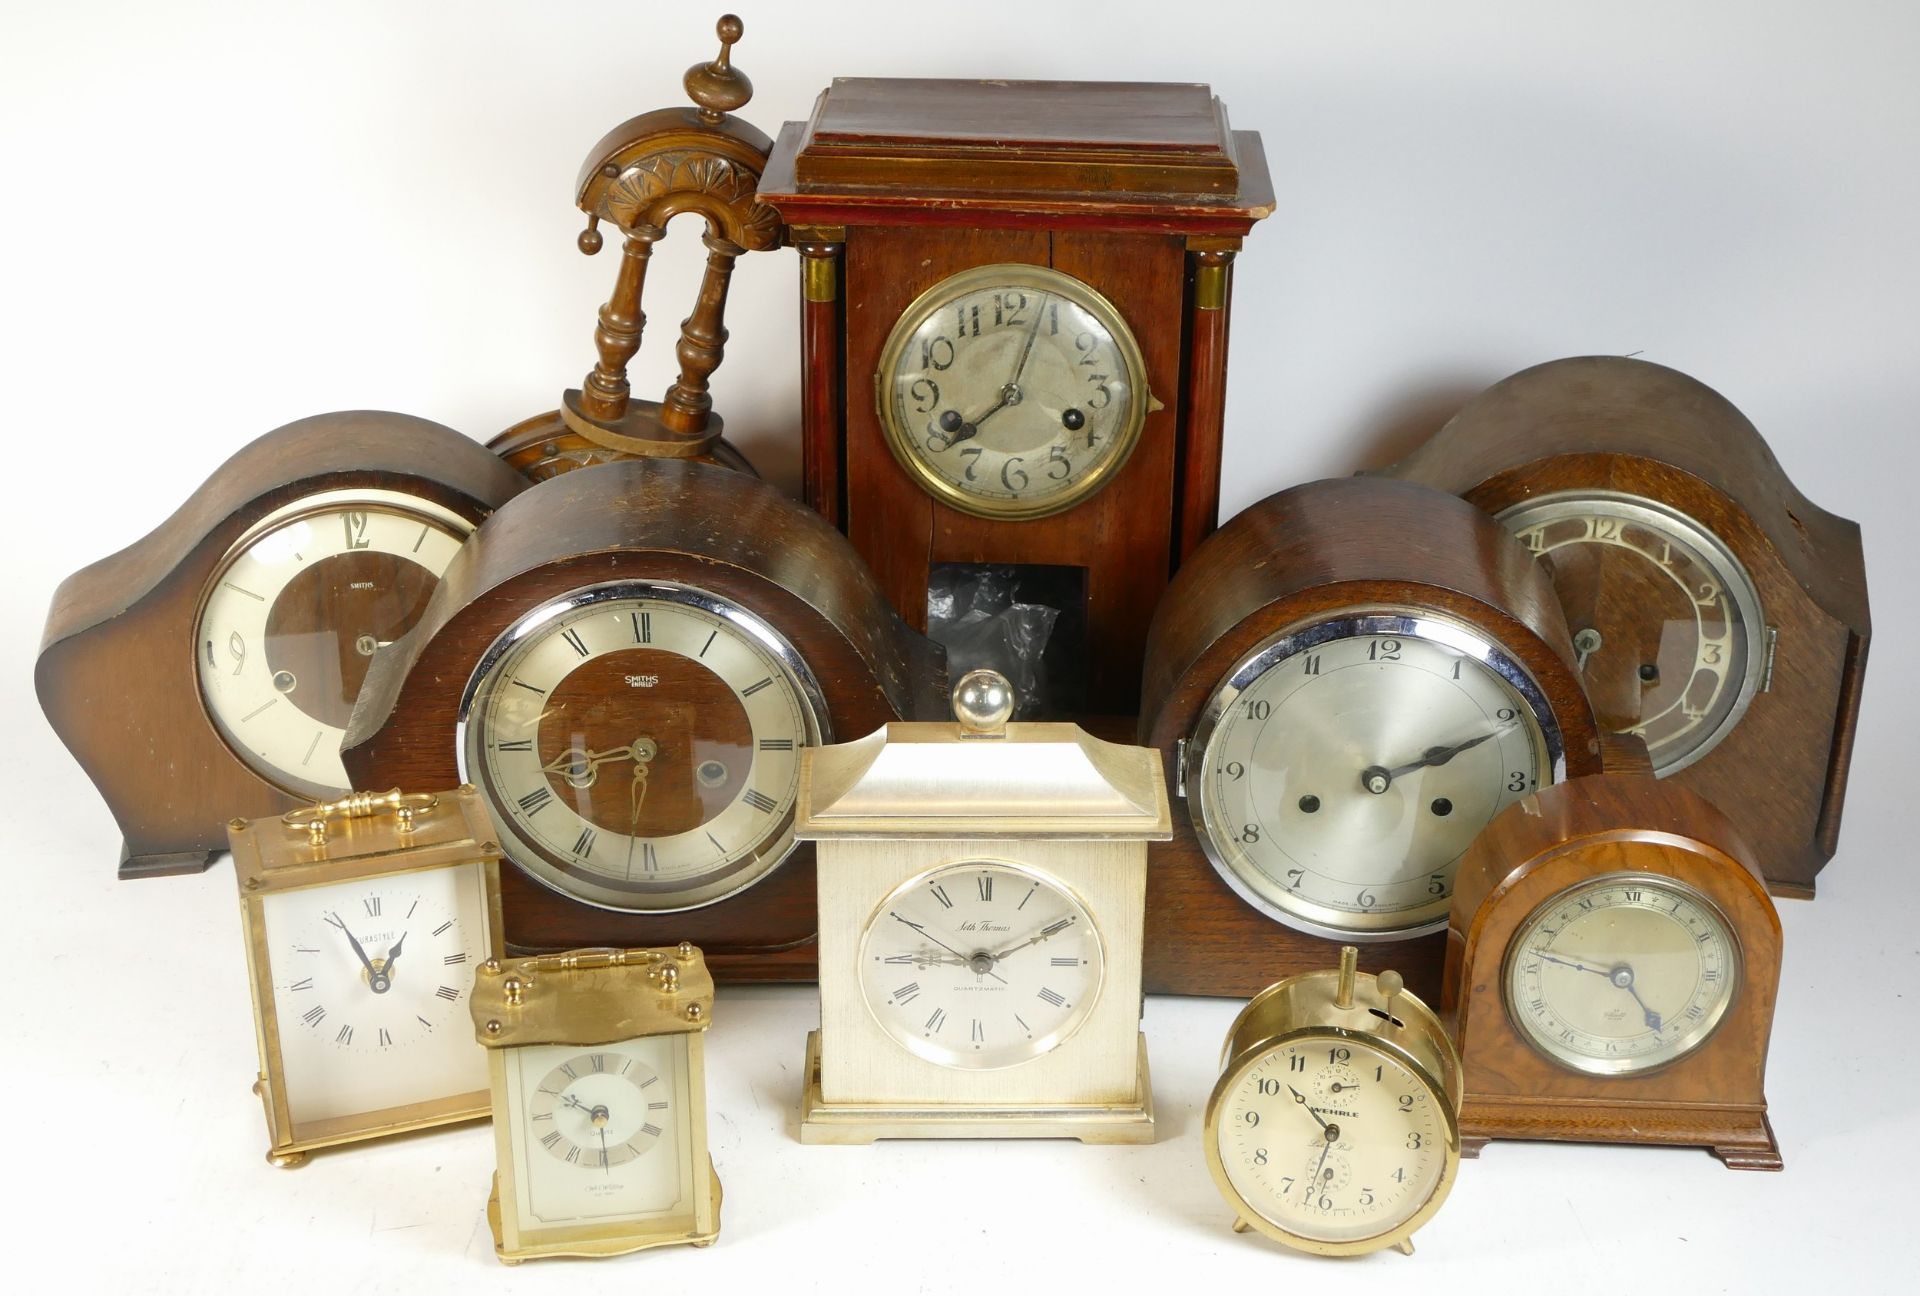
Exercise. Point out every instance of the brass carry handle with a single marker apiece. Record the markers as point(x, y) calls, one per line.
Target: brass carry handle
point(359, 805)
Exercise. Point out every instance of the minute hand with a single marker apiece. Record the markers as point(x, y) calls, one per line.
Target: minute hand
point(1378, 780)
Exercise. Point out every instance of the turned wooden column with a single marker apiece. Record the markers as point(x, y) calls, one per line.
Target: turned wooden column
point(821, 444)
point(703, 342)
point(1199, 487)
point(604, 394)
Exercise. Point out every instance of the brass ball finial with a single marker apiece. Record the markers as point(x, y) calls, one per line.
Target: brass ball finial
point(1391, 983)
point(983, 703)
point(719, 87)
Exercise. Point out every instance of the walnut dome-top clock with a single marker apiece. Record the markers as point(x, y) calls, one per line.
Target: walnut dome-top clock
point(1717, 613)
point(1347, 682)
point(1014, 338)
point(628, 666)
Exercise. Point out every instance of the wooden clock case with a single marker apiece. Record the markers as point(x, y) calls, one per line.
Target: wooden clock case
point(116, 672)
point(1623, 821)
point(1140, 191)
point(664, 520)
point(1608, 423)
point(702, 162)
point(1293, 557)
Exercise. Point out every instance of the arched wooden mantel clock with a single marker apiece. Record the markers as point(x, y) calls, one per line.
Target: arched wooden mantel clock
point(1014, 342)
point(700, 161)
point(627, 665)
point(207, 671)
point(1613, 960)
point(1716, 611)
point(1346, 683)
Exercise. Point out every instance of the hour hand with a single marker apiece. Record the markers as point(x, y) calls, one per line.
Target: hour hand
point(376, 980)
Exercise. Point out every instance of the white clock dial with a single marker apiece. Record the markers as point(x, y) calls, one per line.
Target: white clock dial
point(1332, 1139)
point(1343, 769)
point(981, 965)
point(640, 745)
point(1622, 974)
point(1012, 390)
point(1665, 620)
point(370, 985)
point(293, 618)
point(600, 1133)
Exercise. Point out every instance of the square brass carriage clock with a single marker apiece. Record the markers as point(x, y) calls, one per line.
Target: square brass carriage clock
point(599, 1101)
point(1014, 341)
point(982, 887)
point(364, 920)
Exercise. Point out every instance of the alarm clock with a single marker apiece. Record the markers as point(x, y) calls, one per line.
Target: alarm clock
point(1346, 683)
point(599, 1086)
point(208, 670)
point(981, 886)
point(628, 667)
point(1334, 1125)
point(1716, 612)
point(364, 919)
point(1014, 343)
point(1613, 961)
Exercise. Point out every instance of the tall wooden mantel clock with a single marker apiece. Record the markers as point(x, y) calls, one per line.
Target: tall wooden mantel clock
point(1014, 336)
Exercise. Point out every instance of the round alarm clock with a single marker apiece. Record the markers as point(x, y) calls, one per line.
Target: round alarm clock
point(1333, 1127)
point(628, 667)
point(1348, 682)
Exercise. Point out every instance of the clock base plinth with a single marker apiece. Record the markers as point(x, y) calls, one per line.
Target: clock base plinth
point(164, 863)
point(1741, 1137)
point(546, 445)
point(595, 1248)
point(851, 1124)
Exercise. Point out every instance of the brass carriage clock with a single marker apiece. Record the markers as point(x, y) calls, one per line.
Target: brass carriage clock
point(599, 1079)
point(1014, 338)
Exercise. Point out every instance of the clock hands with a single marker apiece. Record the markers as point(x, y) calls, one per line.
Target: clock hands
point(581, 769)
point(954, 427)
point(982, 963)
point(1621, 975)
point(376, 979)
point(1302, 1100)
point(1050, 930)
point(386, 965)
point(1377, 779)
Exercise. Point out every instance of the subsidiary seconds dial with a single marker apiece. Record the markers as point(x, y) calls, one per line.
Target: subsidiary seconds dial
point(981, 965)
point(1012, 391)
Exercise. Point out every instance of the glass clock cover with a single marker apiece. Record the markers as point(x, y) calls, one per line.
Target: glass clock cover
point(1343, 767)
point(639, 744)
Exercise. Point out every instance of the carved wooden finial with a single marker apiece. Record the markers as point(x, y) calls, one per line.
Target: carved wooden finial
point(719, 87)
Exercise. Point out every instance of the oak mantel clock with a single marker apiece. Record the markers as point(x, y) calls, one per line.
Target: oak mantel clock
point(208, 670)
point(1014, 337)
point(1717, 612)
point(1613, 959)
point(628, 666)
point(1346, 683)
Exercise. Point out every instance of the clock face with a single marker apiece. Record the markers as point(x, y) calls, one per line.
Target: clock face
point(370, 985)
point(600, 1134)
point(294, 615)
point(1666, 622)
point(1343, 768)
point(1332, 1139)
point(1622, 974)
point(981, 965)
point(1012, 391)
point(639, 745)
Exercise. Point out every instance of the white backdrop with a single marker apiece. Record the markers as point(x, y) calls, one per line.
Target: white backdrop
point(220, 217)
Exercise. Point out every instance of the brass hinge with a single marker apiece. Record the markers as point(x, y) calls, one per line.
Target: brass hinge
point(1180, 768)
point(1766, 671)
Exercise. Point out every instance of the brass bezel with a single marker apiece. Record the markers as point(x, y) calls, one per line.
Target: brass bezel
point(269, 867)
point(1624, 1068)
point(1140, 400)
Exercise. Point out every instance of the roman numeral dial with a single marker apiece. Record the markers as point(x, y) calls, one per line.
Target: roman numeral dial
point(981, 965)
point(642, 745)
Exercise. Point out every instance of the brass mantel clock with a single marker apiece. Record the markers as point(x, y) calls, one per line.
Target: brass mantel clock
point(1014, 337)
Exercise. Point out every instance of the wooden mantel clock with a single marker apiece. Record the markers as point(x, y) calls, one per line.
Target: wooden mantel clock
point(1014, 337)
point(628, 664)
point(1717, 612)
point(700, 161)
point(1613, 958)
point(1346, 683)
